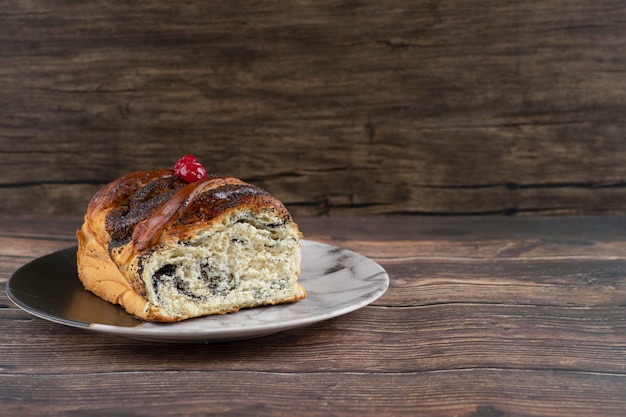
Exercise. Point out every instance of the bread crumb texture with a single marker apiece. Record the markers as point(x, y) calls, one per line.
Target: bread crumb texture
point(245, 260)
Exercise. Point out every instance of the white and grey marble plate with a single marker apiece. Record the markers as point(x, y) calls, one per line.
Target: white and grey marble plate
point(337, 281)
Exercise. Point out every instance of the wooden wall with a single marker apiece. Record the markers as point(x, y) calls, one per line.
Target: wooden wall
point(337, 107)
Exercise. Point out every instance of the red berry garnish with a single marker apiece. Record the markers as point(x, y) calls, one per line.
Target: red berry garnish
point(189, 169)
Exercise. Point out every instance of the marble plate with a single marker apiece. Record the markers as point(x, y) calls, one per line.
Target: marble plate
point(338, 281)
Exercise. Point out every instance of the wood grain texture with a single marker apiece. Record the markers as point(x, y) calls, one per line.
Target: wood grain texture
point(337, 107)
point(471, 393)
point(484, 317)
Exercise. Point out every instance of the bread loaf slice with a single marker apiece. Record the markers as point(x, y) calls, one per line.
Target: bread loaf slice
point(167, 250)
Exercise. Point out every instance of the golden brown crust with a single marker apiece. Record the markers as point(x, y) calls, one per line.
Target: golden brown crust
point(142, 209)
point(102, 277)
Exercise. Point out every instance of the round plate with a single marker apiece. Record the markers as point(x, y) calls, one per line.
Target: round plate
point(337, 282)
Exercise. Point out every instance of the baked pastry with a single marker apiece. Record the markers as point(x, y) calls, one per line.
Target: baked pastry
point(169, 245)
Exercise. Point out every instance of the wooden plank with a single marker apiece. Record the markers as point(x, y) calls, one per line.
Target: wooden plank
point(465, 392)
point(574, 231)
point(335, 107)
point(375, 339)
point(466, 230)
point(547, 283)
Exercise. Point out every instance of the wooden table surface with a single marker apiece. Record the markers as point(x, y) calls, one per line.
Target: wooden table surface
point(484, 317)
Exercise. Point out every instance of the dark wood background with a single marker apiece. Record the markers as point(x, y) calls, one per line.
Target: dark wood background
point(336, 107)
